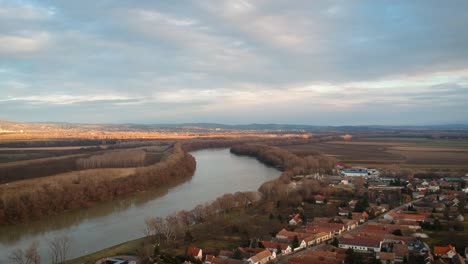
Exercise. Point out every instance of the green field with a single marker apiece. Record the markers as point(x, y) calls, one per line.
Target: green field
point(459, 239)
point(128, 247)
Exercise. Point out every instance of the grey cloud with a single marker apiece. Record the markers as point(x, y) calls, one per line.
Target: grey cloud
point(141, 49)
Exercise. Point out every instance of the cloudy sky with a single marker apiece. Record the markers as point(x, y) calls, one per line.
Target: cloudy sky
point(235, 61)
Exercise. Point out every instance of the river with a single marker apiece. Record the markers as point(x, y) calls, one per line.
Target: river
point(218, 172)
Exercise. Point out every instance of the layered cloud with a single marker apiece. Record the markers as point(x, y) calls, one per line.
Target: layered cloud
point(234, 61)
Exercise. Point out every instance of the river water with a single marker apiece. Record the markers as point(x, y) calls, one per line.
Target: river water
point(218, 172)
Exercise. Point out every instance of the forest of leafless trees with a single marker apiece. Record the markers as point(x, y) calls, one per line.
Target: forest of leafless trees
point(291, 165)
point(47, 199)
point(114, 159)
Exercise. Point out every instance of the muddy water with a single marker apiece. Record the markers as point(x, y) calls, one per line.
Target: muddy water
point(218, 172)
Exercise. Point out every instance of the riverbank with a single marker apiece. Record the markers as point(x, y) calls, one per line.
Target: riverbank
point(111, 223)
point(27, 200)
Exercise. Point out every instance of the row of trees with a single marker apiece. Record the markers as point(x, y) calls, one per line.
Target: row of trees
point(292, 165)
point(47, 199)
point(285, 160)
point(114, 159)
point(58, 250)
point(173, 227)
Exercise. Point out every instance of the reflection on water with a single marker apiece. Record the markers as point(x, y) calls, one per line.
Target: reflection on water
point(104, 225)
point(10, 234)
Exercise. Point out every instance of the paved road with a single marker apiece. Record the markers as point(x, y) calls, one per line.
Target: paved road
point(285, 259)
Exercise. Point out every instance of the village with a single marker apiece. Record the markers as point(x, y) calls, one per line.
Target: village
point(386, 222)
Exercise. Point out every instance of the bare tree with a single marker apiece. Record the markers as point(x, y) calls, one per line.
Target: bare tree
point(59, 247)
point(17, 256)
point(28, 256)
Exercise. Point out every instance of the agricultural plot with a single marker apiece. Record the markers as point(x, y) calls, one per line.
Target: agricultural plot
point(417, 153)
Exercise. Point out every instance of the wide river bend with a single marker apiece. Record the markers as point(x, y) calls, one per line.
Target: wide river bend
point(218, 172)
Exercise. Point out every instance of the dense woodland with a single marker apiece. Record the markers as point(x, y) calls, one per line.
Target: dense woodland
point(50, 199)
point(115, 159)
point(291, 165)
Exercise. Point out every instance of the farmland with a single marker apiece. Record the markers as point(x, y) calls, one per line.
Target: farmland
point(393, 152)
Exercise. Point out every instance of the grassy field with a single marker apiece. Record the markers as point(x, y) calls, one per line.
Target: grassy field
point(459, 239)
point(128, 247)
point(69, 178)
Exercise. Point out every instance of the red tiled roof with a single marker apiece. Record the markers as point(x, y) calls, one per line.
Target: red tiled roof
point(400, 250)
point(193, 251)
point(441, 250)
point(209, 258)
point(412, 217)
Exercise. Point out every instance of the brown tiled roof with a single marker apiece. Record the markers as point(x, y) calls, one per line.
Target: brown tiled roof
point(228, 261)
point(262, 255)
point(386, 256)
point(400, 250)
point(275, 245)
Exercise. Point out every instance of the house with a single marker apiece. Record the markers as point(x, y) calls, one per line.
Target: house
point(195, 252)
point(386, 257)
point(302, 244)
point(343, 211)
point(226, 254)
point(361, 244)
point(323, 236)
point(262, 257)
point(296, 220)
point(336, 228)
point(352, 203)
point(209, 259)
point(405, 217)
point(310, 240)
point(319, 199)
point(401, 252)
point(321, 233)
point(448, 251)
point(216, 260)
point(355, 172)
point(350, 223)
point(286, 235)
point(273, 246)
point(358, 217)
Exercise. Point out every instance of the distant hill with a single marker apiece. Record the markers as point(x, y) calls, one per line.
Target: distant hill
point(50, 126)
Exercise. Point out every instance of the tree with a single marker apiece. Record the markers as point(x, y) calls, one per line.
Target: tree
point(237, 254)
point(156, 250)
point(28, 256)
point(397, 232)
point(295, 242)
point(188, 236)
point(58, 248)
point(334, 242)
point(278, 250)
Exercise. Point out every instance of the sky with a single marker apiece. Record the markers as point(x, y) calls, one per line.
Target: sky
point(347, 62)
